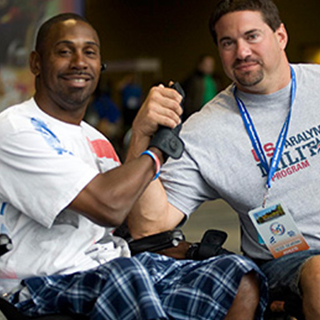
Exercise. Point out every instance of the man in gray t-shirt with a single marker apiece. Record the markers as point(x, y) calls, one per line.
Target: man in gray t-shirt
point(255, 144)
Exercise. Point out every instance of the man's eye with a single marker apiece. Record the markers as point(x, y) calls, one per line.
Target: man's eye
point(91, 53)
point(64, 52)
point(226, 44)
point(253, 37)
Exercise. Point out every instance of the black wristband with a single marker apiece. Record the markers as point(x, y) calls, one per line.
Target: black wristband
point(168, 143)
point(167, 140)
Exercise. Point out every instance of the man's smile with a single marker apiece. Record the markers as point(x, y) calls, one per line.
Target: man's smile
point(78, 80)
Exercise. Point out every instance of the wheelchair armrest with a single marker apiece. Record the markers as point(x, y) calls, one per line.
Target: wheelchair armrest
point(157, 242)
point(209, 246)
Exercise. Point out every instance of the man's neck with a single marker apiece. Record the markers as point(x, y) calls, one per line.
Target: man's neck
point(69, 115)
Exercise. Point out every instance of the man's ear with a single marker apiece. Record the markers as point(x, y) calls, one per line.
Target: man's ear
point(282, 35)
point(34, 63)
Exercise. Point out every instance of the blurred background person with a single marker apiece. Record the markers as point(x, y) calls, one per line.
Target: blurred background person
point(131, 96)
point(201, 86)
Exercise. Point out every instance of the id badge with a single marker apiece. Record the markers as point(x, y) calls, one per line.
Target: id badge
point(278, 230)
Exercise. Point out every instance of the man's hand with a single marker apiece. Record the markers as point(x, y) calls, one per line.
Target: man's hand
point(161, 107)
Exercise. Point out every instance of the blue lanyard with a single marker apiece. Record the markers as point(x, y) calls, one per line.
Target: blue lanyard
point(255, 138)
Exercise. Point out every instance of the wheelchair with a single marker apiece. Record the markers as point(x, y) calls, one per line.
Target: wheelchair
point(283, 305)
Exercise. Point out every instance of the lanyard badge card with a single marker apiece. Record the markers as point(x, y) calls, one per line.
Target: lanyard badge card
point(274, 225)
point(277, 229)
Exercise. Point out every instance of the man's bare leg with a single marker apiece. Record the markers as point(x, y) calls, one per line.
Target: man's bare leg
point(247, 299)
point(310, 287)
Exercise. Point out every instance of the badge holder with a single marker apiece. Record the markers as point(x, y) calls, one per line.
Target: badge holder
point(278, 230)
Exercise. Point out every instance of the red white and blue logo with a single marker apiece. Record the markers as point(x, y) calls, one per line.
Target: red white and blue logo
point(277, 229)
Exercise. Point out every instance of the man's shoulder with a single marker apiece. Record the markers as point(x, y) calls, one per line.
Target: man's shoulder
point(17, 108)
point(91, 131)
point(216, 114)
point(306, 66)
point(308, 77)
point(306, 69)
point(15, 117)
point(222, 101)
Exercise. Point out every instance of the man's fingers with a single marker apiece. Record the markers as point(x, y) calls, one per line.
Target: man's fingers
point(167, 98)
point(161, 108)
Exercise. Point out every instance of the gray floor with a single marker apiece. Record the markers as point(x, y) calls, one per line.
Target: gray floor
point(214, 215)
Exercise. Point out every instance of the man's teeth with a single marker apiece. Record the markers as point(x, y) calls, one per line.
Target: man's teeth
point(79, 80)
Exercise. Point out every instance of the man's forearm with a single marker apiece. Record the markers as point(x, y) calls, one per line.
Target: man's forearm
point(152, 213)
point(110, 196)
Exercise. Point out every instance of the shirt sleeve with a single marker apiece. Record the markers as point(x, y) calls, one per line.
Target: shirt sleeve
point(185, 186)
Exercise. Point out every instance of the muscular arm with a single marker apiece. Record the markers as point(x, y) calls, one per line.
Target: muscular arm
point(109, 197)
point(152, 213)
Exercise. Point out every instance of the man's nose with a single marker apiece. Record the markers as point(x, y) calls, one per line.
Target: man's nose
point(78, 60)
point(243, 49)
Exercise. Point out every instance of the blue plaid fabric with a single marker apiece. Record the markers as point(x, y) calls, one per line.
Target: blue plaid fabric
point(147, 286)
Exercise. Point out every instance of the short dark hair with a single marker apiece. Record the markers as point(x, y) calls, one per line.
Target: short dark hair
point(46, 26)
point(268, 9)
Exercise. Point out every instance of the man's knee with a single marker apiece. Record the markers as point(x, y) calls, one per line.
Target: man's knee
point(310, 274)
point(247, 299)
point(249, 287)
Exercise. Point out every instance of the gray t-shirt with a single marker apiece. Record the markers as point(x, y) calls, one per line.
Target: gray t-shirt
point(219, 161)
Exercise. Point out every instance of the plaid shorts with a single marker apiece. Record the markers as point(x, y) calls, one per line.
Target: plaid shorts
point(147, 286)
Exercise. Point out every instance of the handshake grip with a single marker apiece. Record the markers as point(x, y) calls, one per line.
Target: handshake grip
point(166, 139)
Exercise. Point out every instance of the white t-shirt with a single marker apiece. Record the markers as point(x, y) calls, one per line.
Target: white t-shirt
point(44, 164)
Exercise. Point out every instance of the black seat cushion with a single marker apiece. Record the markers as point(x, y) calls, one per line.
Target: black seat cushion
point(12, 313)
